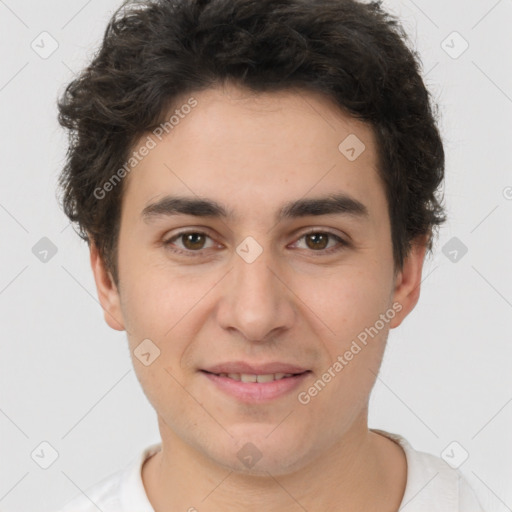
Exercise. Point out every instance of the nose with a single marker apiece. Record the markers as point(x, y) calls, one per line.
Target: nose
point(256, 302)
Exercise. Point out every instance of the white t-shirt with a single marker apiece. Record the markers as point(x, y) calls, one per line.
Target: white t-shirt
point(432, 485)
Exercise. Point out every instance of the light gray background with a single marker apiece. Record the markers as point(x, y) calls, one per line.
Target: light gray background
point(66, 377)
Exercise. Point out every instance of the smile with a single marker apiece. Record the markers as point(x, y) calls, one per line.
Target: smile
point(247, 377)
point(252, 388)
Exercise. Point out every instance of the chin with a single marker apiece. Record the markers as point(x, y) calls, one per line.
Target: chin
point(258, 450)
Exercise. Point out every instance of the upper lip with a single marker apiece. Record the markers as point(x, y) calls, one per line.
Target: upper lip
point(256, 369)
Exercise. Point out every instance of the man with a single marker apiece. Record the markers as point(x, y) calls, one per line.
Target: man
point(257, 183)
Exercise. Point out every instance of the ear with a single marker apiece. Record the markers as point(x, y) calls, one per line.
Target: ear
point(107, 291)
point(408, 281)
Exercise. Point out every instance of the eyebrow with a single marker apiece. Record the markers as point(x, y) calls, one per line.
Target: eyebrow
point(338, 204)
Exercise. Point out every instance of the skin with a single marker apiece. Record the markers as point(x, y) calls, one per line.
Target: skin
point(252, 153)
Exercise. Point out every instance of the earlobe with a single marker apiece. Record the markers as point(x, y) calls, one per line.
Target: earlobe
point(108, 294)
point(408, 281)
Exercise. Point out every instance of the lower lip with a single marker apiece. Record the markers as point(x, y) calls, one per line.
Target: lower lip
point(256, 391)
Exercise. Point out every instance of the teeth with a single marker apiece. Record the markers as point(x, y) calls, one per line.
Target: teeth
point(247, 377)
point(265, 378)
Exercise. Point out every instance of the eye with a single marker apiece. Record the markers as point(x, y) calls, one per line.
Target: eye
point(193, 242)
point(318, 241)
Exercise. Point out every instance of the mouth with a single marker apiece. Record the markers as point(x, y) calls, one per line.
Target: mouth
point(260, 378)
point(256, 387)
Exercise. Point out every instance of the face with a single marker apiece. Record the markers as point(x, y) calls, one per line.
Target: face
point(263, 282)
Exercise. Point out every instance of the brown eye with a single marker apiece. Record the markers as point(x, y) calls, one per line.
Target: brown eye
point(317, 240)
point(193, 241)
point(190, 243)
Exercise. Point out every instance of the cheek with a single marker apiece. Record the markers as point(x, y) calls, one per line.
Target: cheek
point(350, 306)
point(163, 308)
point(347, 301)
point(157, 312)
point(153, 300)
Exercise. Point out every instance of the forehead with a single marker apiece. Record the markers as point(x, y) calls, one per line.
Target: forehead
point(238, 146)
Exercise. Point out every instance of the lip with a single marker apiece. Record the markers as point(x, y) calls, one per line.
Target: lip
point(255, 369)
point(256, 392)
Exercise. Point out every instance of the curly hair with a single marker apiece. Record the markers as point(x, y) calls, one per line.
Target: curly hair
point(156, 51)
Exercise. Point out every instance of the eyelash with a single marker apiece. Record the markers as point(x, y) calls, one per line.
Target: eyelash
point(342, 244)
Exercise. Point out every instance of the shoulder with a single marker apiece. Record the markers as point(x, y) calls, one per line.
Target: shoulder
point(104, 495)
point(116, 492)
point(432, 484)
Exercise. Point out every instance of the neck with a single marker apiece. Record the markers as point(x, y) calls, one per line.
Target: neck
point(362, 471)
